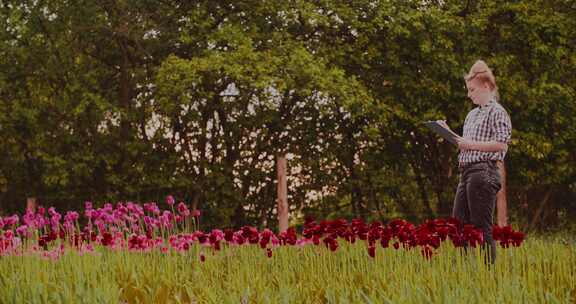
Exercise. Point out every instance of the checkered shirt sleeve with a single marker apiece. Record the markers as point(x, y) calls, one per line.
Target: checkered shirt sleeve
point(501, 125)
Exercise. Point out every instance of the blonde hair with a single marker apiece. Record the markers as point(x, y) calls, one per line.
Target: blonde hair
point(482, 72)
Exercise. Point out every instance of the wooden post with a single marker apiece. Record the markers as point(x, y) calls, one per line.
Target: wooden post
point(282, 193)
point(31, 204)
point(501, 201)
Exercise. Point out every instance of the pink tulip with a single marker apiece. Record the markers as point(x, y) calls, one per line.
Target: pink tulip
point(170, 200)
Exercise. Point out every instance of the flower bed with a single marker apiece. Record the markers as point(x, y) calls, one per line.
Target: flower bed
point(146, 228)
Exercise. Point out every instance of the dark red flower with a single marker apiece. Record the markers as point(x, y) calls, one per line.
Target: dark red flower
point(331, 243)
point(309, 220)
point(77, 240)
point(473, 235)
point(453, 222)
point(202, 237)
point(457, 240)
point(42, 242)
point(240, 240)
point(106, 239)
point(52, 236)
point(372, 251)
point(384, 242)
point(253, 240)
point(288, 237)
point(517, 238)
point(507, 236)
point(228, 235)
point(333, 246)
point(316, 240)
point(442, 232)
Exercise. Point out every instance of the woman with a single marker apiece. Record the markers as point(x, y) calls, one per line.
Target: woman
point(487, 132)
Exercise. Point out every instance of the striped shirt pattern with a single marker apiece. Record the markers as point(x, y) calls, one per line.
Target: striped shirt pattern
point(486, 123)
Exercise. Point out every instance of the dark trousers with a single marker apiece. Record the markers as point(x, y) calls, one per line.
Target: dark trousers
point(475, 200)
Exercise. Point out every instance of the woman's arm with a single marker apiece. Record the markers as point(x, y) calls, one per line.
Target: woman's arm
point(501, 130)
point(484, 146)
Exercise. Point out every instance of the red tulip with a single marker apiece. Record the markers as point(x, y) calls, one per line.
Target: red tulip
point(229, 235)
point(372, 251)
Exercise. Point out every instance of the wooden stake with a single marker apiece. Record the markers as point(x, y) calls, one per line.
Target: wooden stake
point(31, 204)
point(282, 193)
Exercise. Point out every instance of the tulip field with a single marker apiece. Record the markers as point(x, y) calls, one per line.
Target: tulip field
point(133, 253)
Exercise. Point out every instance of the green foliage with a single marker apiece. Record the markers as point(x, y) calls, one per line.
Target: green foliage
point(133, 100)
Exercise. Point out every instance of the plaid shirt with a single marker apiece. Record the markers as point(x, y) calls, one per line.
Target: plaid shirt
point(486, 123)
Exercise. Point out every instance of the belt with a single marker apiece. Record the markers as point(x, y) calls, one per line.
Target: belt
point(464, 166)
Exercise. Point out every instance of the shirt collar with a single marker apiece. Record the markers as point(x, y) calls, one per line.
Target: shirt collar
point(488, 105)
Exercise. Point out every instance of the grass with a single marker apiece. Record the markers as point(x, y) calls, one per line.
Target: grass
point(540, 271)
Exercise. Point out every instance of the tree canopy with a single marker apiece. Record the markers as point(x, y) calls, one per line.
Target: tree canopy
point(135, 99)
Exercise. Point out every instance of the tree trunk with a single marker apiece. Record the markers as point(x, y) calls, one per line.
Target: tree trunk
point(536, 217)
point(195, 199)
point(282, 192)
point(424, 195)
point(444, 194)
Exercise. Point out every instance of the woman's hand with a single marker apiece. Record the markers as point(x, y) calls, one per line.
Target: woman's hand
point(443, 124)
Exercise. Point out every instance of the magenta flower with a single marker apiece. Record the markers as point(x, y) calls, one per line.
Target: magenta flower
point(9, 235)
point(11, 220)
point(170, 200)
point(108, 208)
point(183, 209)
point(29, 218)
point(71, 216)
point(238, 238)
point(22, 229)
point(152, 208)
point(216, 235)
point(133, 226)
